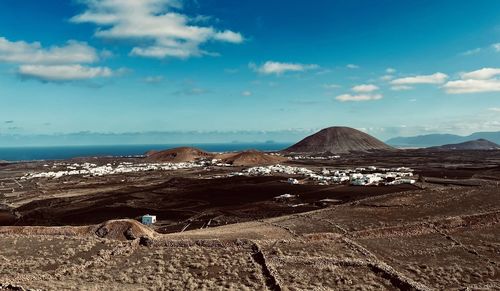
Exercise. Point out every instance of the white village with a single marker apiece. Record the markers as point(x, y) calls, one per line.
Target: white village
point(369, 176)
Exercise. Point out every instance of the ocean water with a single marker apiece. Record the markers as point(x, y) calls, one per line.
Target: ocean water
point(68, 152)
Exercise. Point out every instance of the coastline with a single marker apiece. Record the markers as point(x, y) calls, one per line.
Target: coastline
point(43, 153)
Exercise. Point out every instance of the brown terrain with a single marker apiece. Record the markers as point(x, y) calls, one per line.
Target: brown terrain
point(190, 154)
point(338, 140)
point(220, 230)
point(229, 233)
point(250, 158)
point(178, 155)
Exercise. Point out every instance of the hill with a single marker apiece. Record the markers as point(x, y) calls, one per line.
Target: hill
point(431, 140)
point(190, 154)
point(338, 140)
point(479, 144)
point(251, 158)
point(177, 155)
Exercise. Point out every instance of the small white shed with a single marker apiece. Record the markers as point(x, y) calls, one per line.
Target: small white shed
point(148, 219)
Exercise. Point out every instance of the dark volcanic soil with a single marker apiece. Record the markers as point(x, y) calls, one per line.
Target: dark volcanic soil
point(188, 200)
point(7, 218)
point(192, 199)
point(338, 140)
point(442, 235)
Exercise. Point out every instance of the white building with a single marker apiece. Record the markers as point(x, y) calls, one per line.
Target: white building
point(365, 179)
point(284, 197)
point(148, 219)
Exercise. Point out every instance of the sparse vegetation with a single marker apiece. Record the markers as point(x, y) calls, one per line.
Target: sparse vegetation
point(431, 236)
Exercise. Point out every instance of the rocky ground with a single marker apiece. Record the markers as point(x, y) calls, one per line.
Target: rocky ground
point(443, 234)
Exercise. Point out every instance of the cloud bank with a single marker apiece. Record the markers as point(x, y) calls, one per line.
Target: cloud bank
point(56, 63)
point(364, 93)
point(364, 88)
point(480, 81)
point(277, 68)
point(61, 73)
point(33, 53)
point(155, 26)
point(437, 78)
point(358, 98)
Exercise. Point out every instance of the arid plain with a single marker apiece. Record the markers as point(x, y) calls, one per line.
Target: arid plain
point(220, 229)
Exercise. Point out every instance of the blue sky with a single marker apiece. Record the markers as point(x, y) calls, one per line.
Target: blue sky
point(387, 67)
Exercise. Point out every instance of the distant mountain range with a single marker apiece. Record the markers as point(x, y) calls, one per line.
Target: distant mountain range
point(480, 144)
point(431, 140)
point(153, 137)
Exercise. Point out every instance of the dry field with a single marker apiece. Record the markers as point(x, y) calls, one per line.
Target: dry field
point(441, 235)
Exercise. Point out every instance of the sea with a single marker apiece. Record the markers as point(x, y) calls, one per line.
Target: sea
point(16, 154)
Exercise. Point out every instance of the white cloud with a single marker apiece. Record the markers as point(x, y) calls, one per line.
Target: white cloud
point(437, 78)
point(387, 77)
point(472, 86)
point(494, 109)
point(364, 88)
point(352, 66)
point(73, 52)
point(246, 93)
point(63, 73)
point(358, 98)
point(482, 74)
point(496, 46)
point(55, 63)
point(181, 50)
point(155, 25)
point(478, 81)
point(401, 88)
point(229, 36)
point(278, 68)
point(364, 94)
point(471, 52)
point(153, 79)
point(390, 70)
